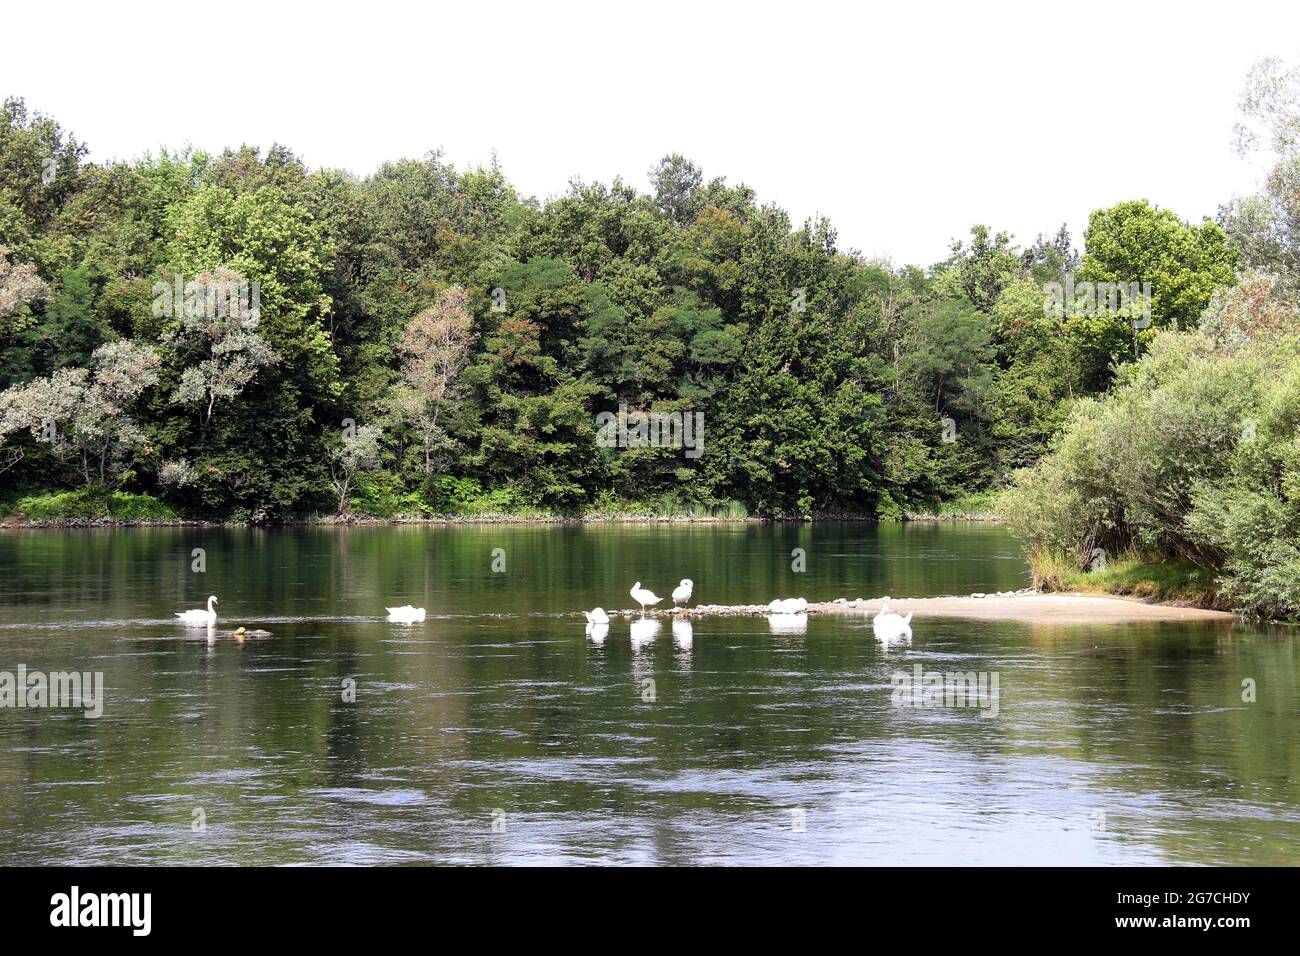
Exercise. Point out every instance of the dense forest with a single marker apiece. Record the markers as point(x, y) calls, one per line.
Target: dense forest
point(426, 340)
point(238, 337)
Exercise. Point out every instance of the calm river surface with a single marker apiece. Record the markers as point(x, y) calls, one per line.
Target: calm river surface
point(497, 732)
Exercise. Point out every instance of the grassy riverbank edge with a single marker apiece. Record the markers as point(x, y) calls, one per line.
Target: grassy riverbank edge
point(86, 508)
point(21, 521)
point(1172, 583)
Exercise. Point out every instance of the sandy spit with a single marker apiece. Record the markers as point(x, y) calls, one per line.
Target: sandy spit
point(1032, 607)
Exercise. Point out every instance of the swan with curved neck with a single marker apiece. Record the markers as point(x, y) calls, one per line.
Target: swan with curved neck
point(644, 596)
point(196, 616)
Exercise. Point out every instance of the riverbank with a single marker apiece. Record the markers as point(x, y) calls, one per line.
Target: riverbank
point(334, 521)
point(1132, 575)
point(86, 508)
point(23, 522)
point(1028, 606)
point(981, 506)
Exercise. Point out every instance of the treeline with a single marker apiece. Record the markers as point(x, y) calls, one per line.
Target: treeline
point(425, 339)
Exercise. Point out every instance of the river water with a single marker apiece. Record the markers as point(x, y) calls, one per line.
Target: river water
point(498, 732)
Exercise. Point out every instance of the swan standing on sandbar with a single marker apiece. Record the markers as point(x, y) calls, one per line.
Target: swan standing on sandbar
point(597, 615)
point(202, 618)
point(643, 597)
point(891, 626)
point(682, 593)
point(406, 614)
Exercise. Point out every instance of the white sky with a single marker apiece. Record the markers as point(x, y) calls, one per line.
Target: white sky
point(904, 125)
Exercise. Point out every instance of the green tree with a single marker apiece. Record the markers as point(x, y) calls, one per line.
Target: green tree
point(676, 181)
point(83, 413)
point(1134, 242)
point(71, 330)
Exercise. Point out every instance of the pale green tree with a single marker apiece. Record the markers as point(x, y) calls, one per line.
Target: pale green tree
point(83, 413)
point(435, 348)
point(358, 451)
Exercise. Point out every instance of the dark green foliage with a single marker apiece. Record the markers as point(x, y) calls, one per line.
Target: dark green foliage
point(827, 384)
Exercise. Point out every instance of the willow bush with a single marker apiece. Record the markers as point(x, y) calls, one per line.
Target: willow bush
point(1193, 456)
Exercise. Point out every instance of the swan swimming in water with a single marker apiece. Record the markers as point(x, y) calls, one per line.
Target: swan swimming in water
point(891, 626)
point(644, 597)
point(597, 615)
point(208, 617)
point(405, 614)
point(682, 593)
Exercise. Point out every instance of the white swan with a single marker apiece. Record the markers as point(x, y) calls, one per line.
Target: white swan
point(207, 618)
point(597, 615)
point(405, 614)
point(888, 625)
point(788, 606)
point(682, 593)
point(643, 597)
